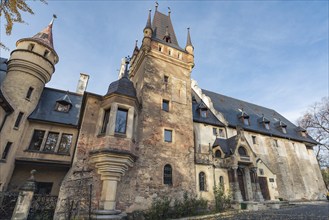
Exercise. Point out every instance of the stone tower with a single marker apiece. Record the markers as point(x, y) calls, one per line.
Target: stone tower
point(30, 67)
point(160, 70)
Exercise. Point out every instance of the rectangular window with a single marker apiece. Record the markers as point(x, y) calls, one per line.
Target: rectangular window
point(65, 144)
point(220, 132)
point(18, 119)
point(214, 131)
point(246, 121)
point(51, 142)
point(36, 140)
point(275, 143)
point(167, 135)
point(166, 79)
point(121, 121)
point(267, 126)
point(165, 105)
point(254, 139)
point(6, 151)
point(29, 93)
point(261, 171)
point(105, 121)
point(203, 113)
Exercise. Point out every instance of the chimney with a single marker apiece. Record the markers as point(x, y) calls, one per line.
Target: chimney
point(82, 84)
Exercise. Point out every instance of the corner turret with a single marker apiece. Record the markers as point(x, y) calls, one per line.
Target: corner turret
point(189, 49)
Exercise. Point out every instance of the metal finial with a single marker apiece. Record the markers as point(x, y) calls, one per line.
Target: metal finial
point(136, 42)
point(156, 5)
point(52, 20)
point(169, 11)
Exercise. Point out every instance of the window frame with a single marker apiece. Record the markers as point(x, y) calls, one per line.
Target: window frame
point(52, 150)
point(6, 150)
point(69, 145)
point(18, 120)
point(29, 93)
point(117, 129)
point(41, 143)
point(167, 175)
point(168, 131)
point(106, 119)
point(165, 105)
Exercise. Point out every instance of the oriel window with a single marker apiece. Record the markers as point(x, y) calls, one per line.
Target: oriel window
point(121, 121)
point(65, 144)
point(51, 142)
point(36, 140)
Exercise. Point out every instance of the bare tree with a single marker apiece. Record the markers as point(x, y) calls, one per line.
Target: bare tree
point(316, 122)
point(11, 10)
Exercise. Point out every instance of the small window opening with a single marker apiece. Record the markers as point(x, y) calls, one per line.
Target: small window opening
point(203, 113)
point(275, 143)
point(284, 130)
point(165, 105)
point(254, 139)
point(179, 56)
point(166, 79)
point(29, 93)
point(46, 53)
point(214, 131)
point(242, 151)
point(160, 48)
point(221, 132)
point(167, 135)
point(221, 182)
point(18, 119)
point(202, 181)
point(261, 171)
point(105, 121)
point(246, 121)
point(31, 47)
point(169, 52)
point(218, 154)
point(167, 174)
point(267, 126)
point(6, 150)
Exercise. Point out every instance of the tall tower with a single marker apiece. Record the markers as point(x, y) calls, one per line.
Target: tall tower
point(161, 73)
point(30, 67)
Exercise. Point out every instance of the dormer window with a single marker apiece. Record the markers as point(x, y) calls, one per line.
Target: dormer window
point(302, 132)
point(244, 117)
point(63, 104)
point(265, 122)
point(282, 126)
point(203, 110)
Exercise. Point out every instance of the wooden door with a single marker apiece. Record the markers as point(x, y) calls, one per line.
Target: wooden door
point(264, 188)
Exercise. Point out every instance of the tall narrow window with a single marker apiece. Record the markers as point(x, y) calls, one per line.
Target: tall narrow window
point(30, 47)
point(221, 181)
point(121, 121)
point(105, 121)
point(246, 121)
point(165, 105)
point(36, 140)
point(166, 79)
point(214, 131)
point(167, 135)
point(51, 142)
point(6, 150)
point(18, 119)
point(202, 181)
point(45, 54)
point(254, 139)
point(167, 174)
point(65, 144)
point(275, 143)
point(29, 93)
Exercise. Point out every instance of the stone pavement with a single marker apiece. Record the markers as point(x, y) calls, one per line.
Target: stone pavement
point(298, 211)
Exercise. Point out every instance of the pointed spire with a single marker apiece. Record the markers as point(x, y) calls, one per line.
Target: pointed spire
point(148, 23)
point(188, 42)
point(45, 36)
point(136, 49)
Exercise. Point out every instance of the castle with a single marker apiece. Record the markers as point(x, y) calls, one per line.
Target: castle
point(155, 133)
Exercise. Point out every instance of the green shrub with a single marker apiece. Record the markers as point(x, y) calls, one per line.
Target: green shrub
point(222, 201)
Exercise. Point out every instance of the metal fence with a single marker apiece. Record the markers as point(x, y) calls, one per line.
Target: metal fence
point(7, 204)
point(42, 207)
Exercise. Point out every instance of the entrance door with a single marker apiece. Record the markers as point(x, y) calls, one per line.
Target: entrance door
point(241, 184)
point(264, 188)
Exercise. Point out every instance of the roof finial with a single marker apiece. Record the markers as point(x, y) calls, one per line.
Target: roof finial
point(169, 11)
point(126, 73)
point(136, 43)
point(52, 20)
point(156, 5)
point(188, 41)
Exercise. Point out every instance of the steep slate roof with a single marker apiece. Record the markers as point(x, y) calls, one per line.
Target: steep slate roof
point(229, 107)
point(159, 25)
point(227, 145)
point(210, 119)
point(122, 86)
point(45, 110)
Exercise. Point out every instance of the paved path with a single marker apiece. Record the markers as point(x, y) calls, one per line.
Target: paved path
point(304, 211)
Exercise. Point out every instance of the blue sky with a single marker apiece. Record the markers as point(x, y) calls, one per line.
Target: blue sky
point(270, 53)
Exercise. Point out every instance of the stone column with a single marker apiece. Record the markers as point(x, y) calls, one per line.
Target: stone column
point(24, 199)
point(111, 165)
point(237, 192)
point(258, 194)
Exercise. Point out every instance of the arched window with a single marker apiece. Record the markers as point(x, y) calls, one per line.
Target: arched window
point(202, 181)
point(167, 174)
point(218, 154)
point(242, 151)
